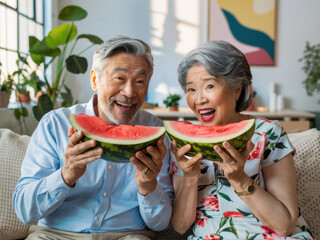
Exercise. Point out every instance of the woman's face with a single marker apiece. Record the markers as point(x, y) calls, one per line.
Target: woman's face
point(211, 99)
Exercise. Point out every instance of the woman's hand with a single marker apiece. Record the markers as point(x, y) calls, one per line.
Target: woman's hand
point(190, 167)
point(233, 164)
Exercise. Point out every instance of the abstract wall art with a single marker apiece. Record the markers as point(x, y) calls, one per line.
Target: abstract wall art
point(250, 25)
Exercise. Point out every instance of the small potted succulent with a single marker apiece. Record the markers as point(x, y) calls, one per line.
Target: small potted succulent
point(172, 102)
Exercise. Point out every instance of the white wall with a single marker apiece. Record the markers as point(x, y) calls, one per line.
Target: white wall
point(174, 27)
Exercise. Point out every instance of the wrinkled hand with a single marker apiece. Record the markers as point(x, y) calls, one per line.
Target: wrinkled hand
point(233, 164)
point(148, 167)
point(190, 167)
point(77, 156)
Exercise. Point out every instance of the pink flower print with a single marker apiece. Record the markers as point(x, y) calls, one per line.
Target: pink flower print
point(201, 219)
point(233, 214)
point(269, 234)
point(212, 237)
point(210, 202)
point(173, 168)
point(258, 149)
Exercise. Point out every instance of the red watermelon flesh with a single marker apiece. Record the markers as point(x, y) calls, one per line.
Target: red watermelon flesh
point(119, 143)
point(203, 138)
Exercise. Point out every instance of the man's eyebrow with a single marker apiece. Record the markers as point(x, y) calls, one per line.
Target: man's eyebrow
point(140, 72)
point(120, 69)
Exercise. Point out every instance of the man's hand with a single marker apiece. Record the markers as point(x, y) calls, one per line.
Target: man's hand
point(77, 156)
point(148, 167)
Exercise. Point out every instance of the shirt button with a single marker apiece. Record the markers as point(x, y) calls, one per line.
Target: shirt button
point(110, 167)
point(145, 201)
point(104, 194)
point(96, 218)
point(63, 194)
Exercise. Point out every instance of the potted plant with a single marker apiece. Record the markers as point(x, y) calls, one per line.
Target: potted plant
point(311, 67)
point(6, 86)
point(172, 102)
point(54, 47)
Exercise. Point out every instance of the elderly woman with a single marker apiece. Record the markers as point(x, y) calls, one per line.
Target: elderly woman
point(252, 193)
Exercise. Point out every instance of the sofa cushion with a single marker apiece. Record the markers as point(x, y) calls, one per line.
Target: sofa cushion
point(307, 162)
point(12, 150)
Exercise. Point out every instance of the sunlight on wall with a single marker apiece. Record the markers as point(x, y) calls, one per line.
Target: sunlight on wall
point(188, 16)
point(175, 30)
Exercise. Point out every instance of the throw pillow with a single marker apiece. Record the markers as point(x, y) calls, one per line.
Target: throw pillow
point(12, 150)
point(307, 162)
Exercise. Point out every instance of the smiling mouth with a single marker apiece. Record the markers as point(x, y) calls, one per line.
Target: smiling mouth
point(207, 114)
point(127, 106)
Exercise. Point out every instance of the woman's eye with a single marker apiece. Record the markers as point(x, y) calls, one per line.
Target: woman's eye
point(210, 86)
point(190, 90)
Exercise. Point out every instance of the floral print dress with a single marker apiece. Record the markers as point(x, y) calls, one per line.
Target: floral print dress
point(221, 214)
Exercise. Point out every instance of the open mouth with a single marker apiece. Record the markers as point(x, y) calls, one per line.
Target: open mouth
point(126, 106)
point(207, 114)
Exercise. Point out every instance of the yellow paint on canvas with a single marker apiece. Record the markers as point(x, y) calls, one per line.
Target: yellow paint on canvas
point(244, 12)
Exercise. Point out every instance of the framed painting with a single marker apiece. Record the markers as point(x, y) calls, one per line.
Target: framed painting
point(250, 25)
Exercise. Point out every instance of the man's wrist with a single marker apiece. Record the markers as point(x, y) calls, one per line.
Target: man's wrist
point(149, 188)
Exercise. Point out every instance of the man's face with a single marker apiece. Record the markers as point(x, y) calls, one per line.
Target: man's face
point(122, 87)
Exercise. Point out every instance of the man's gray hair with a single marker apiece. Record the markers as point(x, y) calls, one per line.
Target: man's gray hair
point(118, 44)
point(220, 59)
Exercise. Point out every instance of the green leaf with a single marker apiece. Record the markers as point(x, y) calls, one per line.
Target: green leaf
point(243, 212)
point(223, 221)
point(273, 136)
point(225, 196)
point(72, 13)
point(17, 113)
point(280, 145)
point(76, 64)
point(253, 237)
point(39, 50)
point(260, 125)
point(44, 106)
point(25, 112)
point(61, 35)
point(92, 38)
point(230, 229)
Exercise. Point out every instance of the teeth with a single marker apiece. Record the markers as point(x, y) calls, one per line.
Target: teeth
point(125, 105)
point(205, 111)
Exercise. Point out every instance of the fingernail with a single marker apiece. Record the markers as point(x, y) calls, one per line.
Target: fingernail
point(226, 144)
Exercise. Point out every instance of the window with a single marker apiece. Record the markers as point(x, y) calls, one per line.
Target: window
point(19, 19)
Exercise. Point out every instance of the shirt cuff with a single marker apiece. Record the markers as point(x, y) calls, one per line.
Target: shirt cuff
point(57, 188)
point(152, 199)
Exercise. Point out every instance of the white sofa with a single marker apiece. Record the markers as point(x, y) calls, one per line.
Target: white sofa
point(307, 160)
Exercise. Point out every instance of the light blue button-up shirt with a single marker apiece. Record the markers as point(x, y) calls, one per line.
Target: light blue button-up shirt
point(104, 199)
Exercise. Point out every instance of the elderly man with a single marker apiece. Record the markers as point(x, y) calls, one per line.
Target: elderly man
point(69, 190)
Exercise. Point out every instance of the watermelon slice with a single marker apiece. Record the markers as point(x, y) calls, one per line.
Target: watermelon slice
point(119, 143)
point(203, 138)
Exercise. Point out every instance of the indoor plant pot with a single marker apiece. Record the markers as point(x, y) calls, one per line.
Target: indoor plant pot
point(4, 99)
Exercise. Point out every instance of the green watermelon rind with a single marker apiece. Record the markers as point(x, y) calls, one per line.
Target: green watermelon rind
point(115, 152)
point(239, 142)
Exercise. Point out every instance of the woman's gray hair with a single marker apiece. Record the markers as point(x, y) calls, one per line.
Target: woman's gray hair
point(220, 59)
point(118, 44)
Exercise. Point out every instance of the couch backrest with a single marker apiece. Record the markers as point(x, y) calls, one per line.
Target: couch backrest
point(307, 162)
